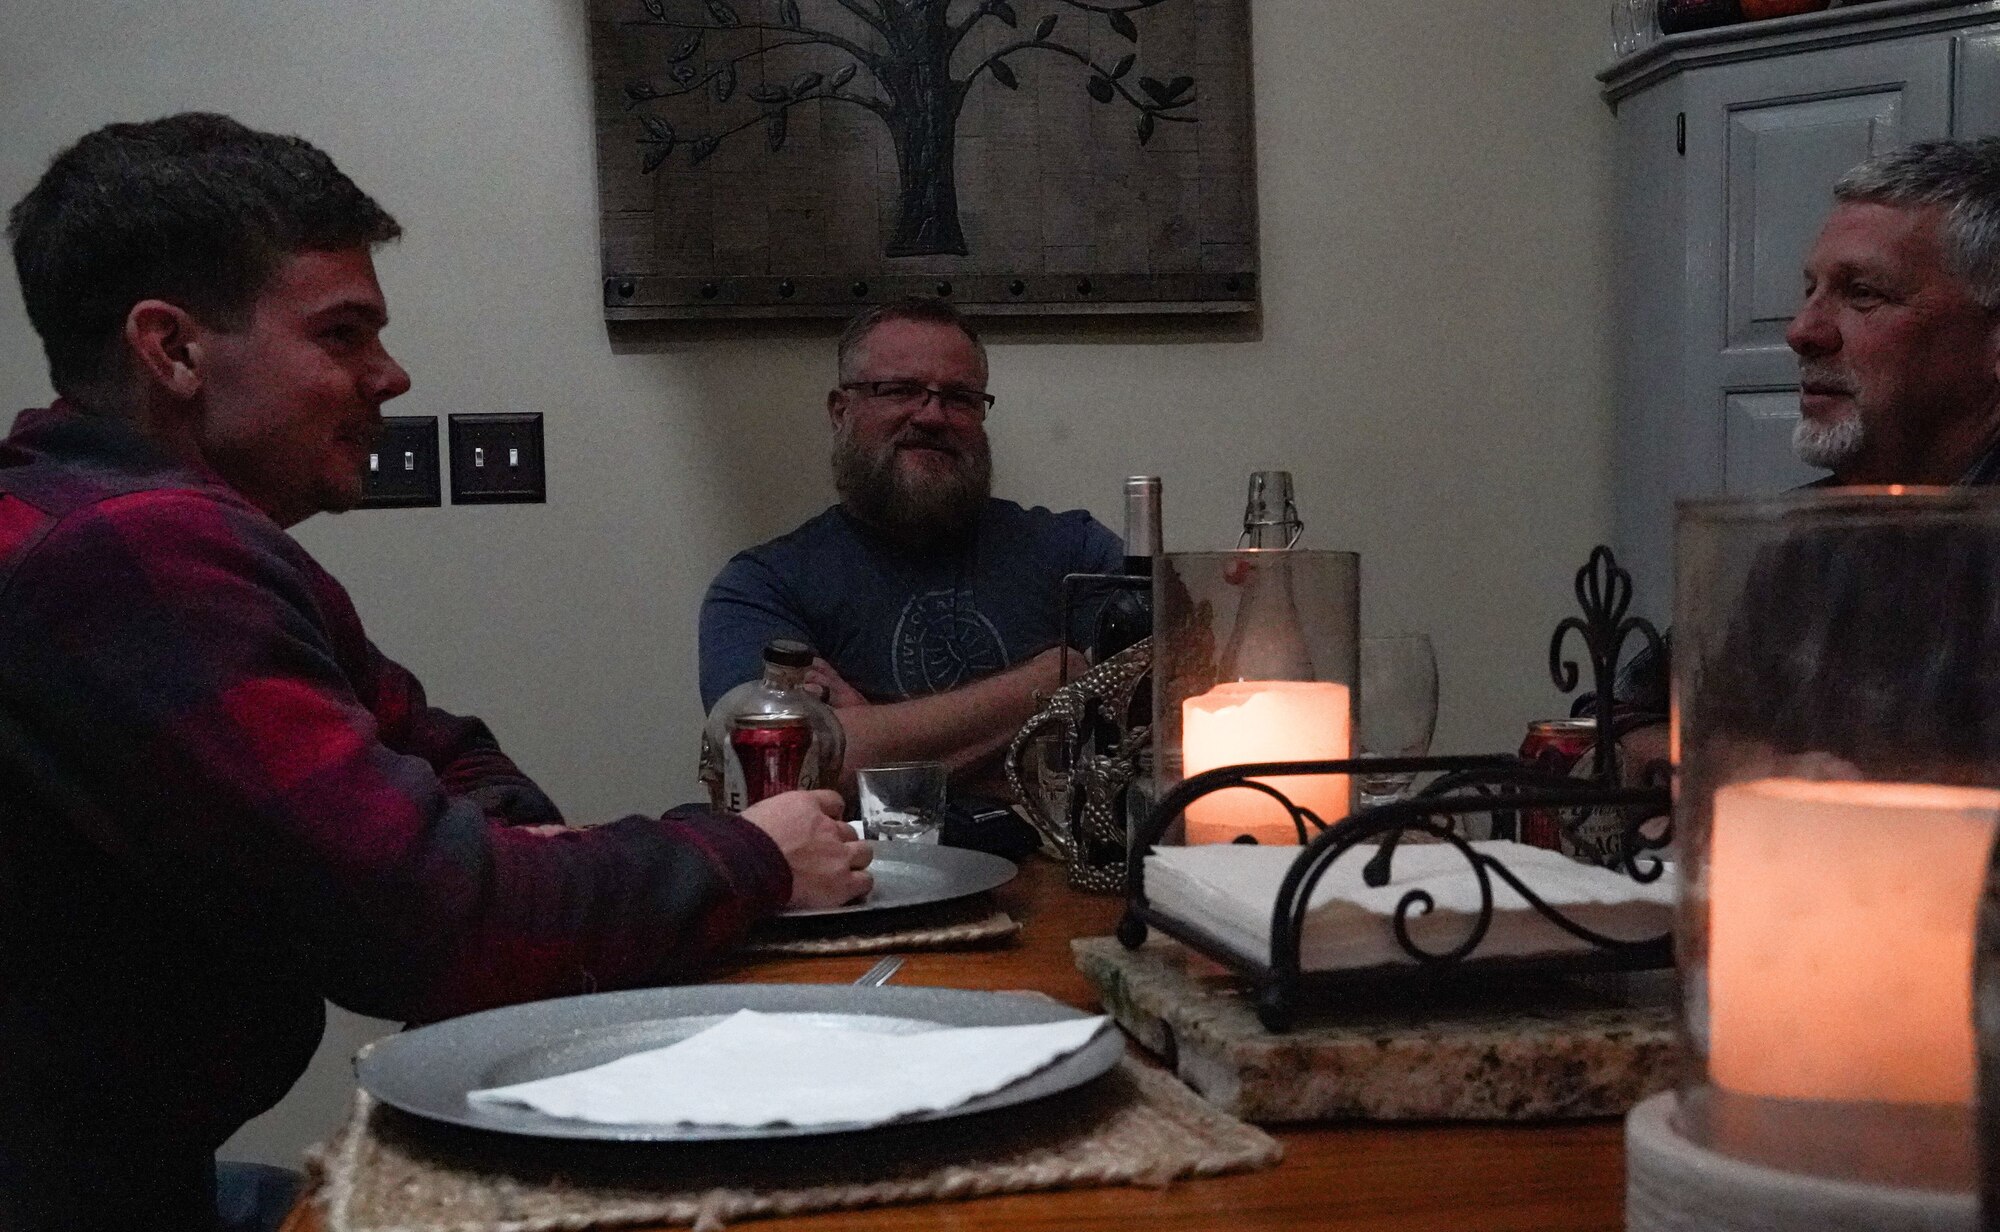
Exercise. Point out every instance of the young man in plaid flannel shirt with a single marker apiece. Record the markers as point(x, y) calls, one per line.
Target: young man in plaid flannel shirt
point(219, 802)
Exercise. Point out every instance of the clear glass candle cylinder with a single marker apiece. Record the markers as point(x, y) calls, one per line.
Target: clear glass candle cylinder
point(1255, 658)
point(1837, 735)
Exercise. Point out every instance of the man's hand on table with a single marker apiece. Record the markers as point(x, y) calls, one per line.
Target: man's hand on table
point(1641, 747)
point(826, 858)
point(838, 693)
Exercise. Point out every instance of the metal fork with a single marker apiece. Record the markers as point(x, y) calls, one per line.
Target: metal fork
point(879, 974)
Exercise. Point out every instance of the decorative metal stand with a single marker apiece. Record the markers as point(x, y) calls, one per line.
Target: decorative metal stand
point(1071, 764)
point(1500, 785)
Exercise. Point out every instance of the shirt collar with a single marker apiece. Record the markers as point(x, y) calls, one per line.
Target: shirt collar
point(64, 431)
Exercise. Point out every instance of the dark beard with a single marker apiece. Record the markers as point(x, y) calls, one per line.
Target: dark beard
point(913, 509)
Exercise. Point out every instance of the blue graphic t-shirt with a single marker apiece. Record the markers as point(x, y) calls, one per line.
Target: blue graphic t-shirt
point(898, 623)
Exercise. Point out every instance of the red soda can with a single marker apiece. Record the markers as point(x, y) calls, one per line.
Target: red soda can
point(1553, 746)
point(771, 749)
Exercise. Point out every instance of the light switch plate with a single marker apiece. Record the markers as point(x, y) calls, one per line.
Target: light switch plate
point(402, 471)
point(497, 459)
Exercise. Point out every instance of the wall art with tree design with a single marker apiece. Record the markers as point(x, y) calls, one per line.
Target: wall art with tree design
point(809, 157)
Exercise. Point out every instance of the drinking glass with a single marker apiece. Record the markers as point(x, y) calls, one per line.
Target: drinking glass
point(1399, 707)
point(903, 802)
point(1634, 26)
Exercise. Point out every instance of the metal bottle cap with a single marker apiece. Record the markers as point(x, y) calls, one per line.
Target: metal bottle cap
point(788, 653)
point(1142, 515)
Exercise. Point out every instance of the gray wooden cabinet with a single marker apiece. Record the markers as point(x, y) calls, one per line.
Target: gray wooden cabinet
point(1729, 142)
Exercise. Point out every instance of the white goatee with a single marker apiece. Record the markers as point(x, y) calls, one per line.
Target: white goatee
point(1828, 445)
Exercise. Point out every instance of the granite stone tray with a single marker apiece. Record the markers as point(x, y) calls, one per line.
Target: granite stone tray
point(1551, 1048)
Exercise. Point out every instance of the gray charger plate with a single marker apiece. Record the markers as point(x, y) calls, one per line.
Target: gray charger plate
point(912, 874)
point(429, 1071)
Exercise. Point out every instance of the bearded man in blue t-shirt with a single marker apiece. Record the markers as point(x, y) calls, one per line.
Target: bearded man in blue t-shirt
point(933, 608)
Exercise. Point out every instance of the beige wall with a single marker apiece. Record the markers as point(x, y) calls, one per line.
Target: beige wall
point(1432, 362)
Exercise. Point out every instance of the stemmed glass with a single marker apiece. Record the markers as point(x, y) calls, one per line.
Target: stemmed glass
point(1399, 706)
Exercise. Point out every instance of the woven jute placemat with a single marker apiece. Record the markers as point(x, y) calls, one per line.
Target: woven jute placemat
point(388, 1172)
point(962, 924)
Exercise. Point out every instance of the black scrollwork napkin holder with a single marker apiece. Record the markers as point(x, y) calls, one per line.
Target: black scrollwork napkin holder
point(1498, 785)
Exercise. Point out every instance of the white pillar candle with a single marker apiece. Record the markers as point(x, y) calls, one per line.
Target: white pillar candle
point(1249, 721)
point(1840, 938)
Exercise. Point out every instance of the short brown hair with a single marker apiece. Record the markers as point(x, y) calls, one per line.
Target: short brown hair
point(195, 209)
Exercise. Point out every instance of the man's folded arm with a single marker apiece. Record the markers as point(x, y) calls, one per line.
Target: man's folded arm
point(966, 727)
point(191, 684)
point(745, 607)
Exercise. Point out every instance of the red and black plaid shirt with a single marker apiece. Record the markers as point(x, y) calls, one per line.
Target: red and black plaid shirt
point(219, 803)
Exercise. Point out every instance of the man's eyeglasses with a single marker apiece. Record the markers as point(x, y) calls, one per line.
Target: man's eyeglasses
point(909, 395)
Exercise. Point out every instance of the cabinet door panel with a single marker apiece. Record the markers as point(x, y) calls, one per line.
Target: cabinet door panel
point(1976, 107)
point(1783, 156)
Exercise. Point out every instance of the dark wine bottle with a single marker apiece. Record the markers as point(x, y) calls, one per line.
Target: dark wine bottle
point(1126, 618)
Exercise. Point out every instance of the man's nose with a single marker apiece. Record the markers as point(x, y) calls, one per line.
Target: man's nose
point(930, 412)
point(1812, 332)
point(391, 381)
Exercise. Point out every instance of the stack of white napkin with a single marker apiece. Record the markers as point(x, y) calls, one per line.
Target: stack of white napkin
point(754, 1069)
point(1229, 892)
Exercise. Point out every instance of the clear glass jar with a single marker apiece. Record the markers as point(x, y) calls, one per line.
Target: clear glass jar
point(1837, 740)
point(770, 735)
point(1255, 658)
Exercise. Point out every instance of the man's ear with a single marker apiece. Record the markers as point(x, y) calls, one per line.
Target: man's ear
point(165, 346)
point(836, 407)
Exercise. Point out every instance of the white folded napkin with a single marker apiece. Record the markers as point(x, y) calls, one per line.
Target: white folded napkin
point(755, 1069)
point(1229, 890)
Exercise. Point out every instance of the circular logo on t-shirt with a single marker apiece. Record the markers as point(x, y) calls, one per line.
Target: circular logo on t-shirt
point(943, 640)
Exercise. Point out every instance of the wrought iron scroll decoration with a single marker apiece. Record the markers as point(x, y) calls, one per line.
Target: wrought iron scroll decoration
point(1507, 785)
point(1250, 776)
point(1498, 784)
point(1403, 816)
point(1604, 592)
point(1282, 981)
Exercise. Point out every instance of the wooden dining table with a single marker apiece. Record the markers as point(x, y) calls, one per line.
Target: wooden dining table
point(1378, 1176)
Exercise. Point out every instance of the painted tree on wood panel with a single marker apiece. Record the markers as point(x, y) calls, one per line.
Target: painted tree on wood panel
point(903, 65)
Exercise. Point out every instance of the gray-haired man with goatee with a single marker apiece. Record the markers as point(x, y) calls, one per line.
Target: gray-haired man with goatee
point(931, 605)
point(1898, 337)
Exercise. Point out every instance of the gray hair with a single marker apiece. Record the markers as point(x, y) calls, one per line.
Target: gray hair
point(929, 311)
point(1962, 178)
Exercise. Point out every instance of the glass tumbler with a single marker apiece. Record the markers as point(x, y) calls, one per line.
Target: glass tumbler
point(902, 802)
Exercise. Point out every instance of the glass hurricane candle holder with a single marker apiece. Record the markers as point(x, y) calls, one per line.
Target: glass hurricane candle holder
point(1255, 660)
point(1837, 698)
